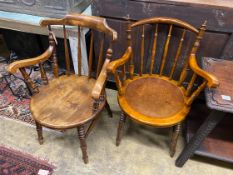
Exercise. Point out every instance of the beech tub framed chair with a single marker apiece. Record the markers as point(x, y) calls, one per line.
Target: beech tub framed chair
point(153, 96)
point(70, 100)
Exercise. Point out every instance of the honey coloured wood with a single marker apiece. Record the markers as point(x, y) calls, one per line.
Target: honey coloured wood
point(152, 97)
point(70, 101)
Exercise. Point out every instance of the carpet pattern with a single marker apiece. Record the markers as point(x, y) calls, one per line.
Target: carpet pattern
point(13, 162)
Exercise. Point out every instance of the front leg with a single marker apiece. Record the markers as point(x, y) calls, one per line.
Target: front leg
point(83, 145)
point(40, 133)
point(120, 128)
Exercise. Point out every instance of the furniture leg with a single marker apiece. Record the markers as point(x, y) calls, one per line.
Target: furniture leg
point(83, 145)
point(120, 127)
point(91, 126)
point(108, 109)
point(209, 124)
point(39, 133)
point(175, 134)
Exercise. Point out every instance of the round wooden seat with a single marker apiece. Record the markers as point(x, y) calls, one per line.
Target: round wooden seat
point(154, 101)
point(65, 102)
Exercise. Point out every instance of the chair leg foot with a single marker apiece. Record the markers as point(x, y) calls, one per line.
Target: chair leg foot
point(83, 145)
point(39, 133)
point(120, 128)
point(175, 134)
point(108, 109)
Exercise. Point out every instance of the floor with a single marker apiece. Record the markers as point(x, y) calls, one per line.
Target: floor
point(143, 150)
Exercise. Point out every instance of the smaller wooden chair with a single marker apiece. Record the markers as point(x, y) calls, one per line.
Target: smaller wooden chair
point(154, 97)
point(70, 100)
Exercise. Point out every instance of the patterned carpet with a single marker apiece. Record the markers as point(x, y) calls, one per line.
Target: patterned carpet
point(13, 162)
point(16, 107)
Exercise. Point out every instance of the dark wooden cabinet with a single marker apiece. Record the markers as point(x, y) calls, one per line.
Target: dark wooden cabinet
point(217, 42)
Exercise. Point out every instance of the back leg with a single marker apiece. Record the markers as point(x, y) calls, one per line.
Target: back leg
point(108, 109)
point(175, 134)
point(120, 128)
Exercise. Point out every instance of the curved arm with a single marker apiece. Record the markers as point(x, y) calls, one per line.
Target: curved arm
point(100, 82)
point(13, 67)
point(212, 81)
point(115, 64)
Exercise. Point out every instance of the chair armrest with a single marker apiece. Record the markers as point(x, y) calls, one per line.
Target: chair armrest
point(121, 61)
point(212, 81)
point(100, 82)
point(13, 67)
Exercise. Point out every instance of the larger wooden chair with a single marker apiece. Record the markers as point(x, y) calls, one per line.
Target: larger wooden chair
point(154, 97)
point(71, 100)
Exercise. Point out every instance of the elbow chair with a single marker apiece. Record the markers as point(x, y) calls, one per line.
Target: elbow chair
point(70, 100)
point(156, 97)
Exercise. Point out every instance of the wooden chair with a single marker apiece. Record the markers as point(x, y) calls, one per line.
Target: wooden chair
point(70, 100)
point(153, 97)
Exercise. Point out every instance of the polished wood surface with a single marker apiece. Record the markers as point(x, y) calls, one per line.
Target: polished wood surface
point(70, 101)
point(156, 97)
point(74, 19)
point(222, 69)
point(161, 104)
point(65, 102)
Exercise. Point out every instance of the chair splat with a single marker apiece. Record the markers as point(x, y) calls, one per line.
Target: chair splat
point(67, 56)
point(79, 52)
point(142, 50)
point(178, 53)
point(100, 58)
point(54, 54)
point(90, 60)
point(163, 61)
point(153, 50)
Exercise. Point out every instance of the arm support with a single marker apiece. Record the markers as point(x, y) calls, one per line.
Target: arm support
point(121, 61)
point(212, 81)
point(100, 82)
point(13, 67)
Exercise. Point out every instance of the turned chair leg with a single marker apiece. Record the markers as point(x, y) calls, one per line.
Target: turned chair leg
point(91, 126)
point(39, 133)
point(108, 109)
point(83, 145)
point(175, 134)
point(120, 128)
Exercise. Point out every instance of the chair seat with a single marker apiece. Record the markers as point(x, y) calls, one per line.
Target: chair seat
point(154, 101)
point(65, 102)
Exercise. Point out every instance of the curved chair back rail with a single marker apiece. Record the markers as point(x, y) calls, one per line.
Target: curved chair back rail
point(74, 19)
point(166, 20)
point(152, 49)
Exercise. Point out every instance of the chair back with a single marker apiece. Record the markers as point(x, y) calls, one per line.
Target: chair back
point(162, 46)
point(99, 31)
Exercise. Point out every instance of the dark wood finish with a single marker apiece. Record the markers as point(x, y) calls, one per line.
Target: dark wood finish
point(215, 101)
point(217, 13)
point(39, 133)
point(175, 134)
point(69, 101)
point(153, 97)
point(120, 128)
point(201, 134)
point(83, 145)
point(218, 144)
point(223, 70)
